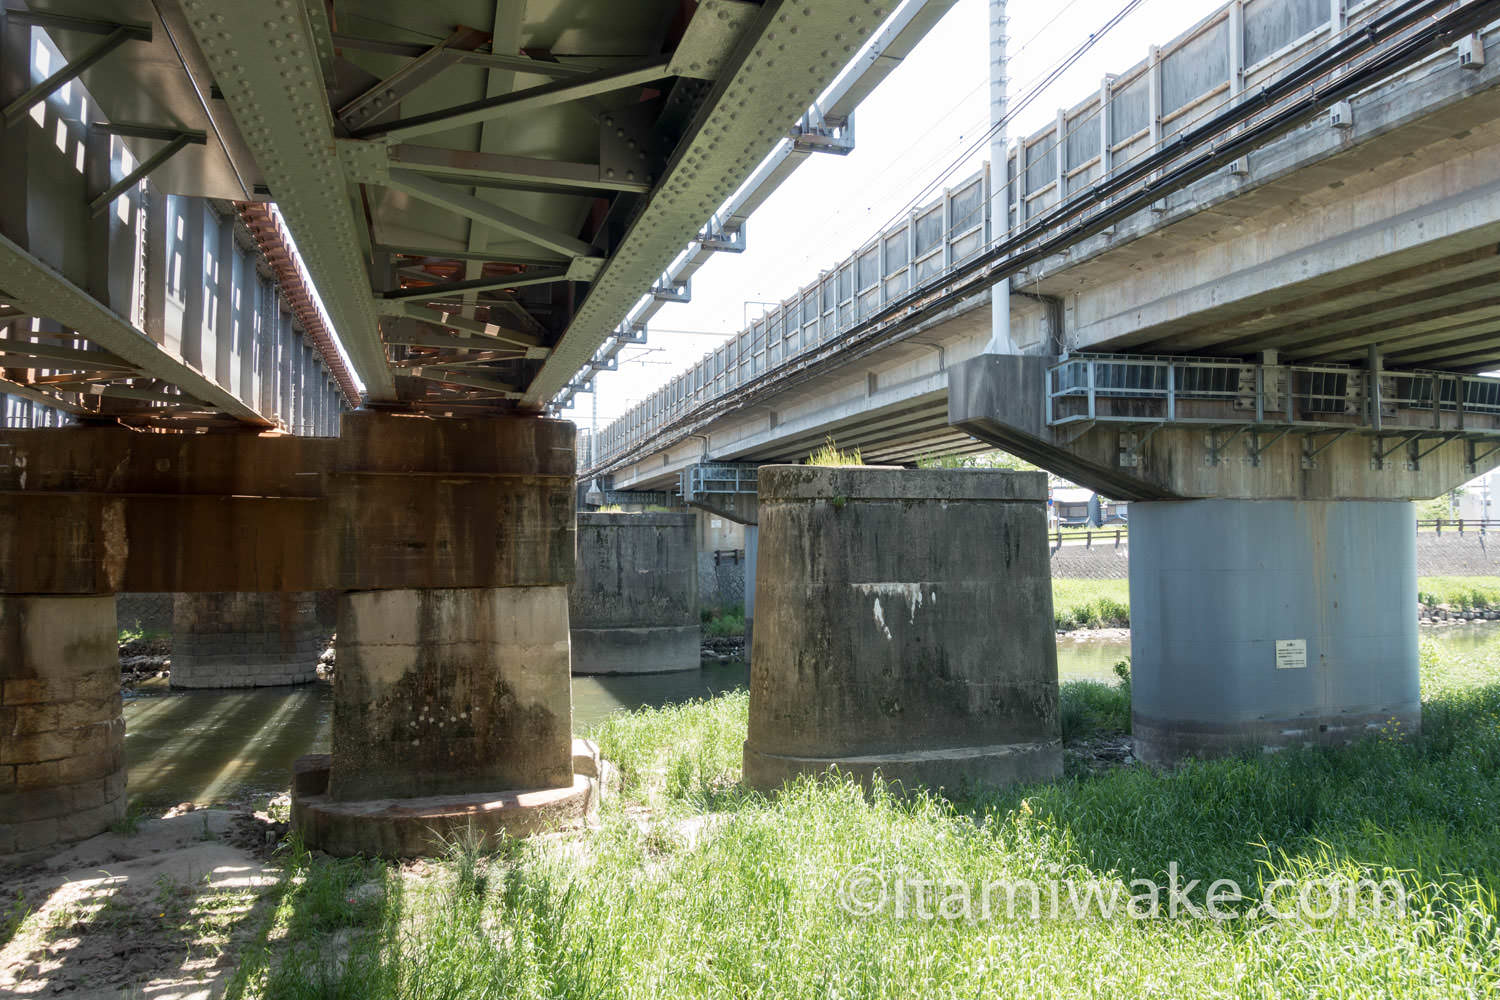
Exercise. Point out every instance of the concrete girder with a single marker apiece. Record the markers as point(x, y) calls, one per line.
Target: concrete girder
point(47, 293)
point(759, 91)
point(280, 104)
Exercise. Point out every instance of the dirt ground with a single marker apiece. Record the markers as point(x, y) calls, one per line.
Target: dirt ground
point(159, 913)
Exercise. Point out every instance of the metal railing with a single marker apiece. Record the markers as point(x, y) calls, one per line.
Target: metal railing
point(1214, 391)
point(1233, 52)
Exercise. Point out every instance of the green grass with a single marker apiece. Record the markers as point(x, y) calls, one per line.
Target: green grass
point(694, 887)
point(831, 454)
point(137, 633)
point(1106, 603)
point(1091, 603)
point(722, 622)
point(1088, 708)
point(1466, 593)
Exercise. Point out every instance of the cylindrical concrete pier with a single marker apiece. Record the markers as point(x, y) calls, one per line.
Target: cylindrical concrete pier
point(633, 605)
point(904, 627)
point(62, 752)
point(1270, 623)
point(229, 640)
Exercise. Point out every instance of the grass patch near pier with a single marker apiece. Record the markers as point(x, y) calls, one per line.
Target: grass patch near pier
point(1106, 603)
point(693, 886)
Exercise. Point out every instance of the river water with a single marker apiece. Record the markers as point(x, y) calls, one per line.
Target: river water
point(216, 747)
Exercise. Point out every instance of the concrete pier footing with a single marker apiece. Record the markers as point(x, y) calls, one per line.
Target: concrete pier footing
point(62, 754)
point(633, 605)
point(225, 640)
point(905, 628)
point(1261, 624)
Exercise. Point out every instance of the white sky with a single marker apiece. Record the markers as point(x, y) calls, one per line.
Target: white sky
point(908, 133)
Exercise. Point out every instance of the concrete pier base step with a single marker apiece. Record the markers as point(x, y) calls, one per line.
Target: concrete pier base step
point(652, 650)
point(1173, 741)
point(953, 768)
point(418, 827)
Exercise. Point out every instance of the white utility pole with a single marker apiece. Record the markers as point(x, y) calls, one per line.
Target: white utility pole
point(1000, 340)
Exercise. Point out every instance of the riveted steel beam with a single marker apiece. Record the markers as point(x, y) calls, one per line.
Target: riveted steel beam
point(41, 291)
point(269, 69)
point(383, 98)
point(774, 75)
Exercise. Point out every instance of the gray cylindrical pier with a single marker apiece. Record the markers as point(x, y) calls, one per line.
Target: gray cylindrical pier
point(1270, 623)
point(904, 626)
point(633, 605)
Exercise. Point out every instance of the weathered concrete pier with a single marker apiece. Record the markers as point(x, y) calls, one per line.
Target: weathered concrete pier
point(633, 605)
point(913, 628)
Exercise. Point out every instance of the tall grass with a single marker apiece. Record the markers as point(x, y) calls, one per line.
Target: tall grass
point(831, 454)
point(694, 887)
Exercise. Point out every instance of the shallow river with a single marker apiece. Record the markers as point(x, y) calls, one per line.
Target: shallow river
point(232, 746)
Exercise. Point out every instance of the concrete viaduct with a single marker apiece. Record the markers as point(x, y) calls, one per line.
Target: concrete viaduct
point(1251, 296)
point(1249, 289)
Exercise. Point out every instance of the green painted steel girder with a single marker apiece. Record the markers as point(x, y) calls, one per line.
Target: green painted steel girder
point(267, 65)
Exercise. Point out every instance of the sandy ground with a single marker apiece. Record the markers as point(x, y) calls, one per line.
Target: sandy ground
point(157, 914)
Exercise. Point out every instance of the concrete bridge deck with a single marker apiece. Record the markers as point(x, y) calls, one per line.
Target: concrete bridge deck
point(1374, 223)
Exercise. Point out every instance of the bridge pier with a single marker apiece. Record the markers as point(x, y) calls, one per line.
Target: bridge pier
point(633, 605)
point(451, 540)
point(912, 631)
point(1272, 544)
point(225, 640)
point(62, 755)
point(1270, 623)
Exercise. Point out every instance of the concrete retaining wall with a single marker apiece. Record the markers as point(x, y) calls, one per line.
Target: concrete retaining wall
point(246, 639)
point(633, 605)
point(150, 613)
point(722, 584)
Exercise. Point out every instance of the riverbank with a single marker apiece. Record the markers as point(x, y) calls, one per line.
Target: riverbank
point(691, 886)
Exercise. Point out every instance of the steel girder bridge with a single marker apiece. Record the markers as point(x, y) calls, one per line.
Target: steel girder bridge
point(479, 191)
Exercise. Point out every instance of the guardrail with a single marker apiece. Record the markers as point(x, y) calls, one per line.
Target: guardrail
point(1148, 390)
point(1225, 58)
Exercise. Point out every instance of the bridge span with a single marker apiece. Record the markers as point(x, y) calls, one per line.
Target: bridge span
point(1372, 225)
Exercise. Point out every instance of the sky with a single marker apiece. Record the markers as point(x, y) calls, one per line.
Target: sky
point(912, 132)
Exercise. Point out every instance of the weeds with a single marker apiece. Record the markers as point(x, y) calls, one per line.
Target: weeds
point(831, 455)
point(129, 823)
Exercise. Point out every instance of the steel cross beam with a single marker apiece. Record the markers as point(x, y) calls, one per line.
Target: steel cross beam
point(489, 331)
point(381, 99)
point(487, 213)
point(50, 294)
point(459, 166)
point(762, 89)
point(118, 34)
point(265, 62)
point(541, 276)
point(488, 60)
point(174, 145)
point(520, 102)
